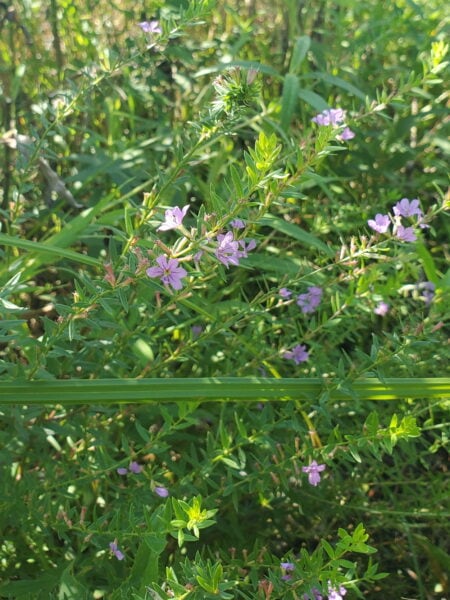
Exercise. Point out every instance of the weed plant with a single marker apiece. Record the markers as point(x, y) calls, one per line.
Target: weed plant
point(200, 190)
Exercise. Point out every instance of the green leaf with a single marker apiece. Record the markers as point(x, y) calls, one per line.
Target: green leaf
point(295, 232)
point(313, 99)
point(299, 52)
point(40, 252)
point(289, 100)
point(428, 263)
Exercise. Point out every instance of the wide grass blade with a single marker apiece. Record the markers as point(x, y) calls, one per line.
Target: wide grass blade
point(215, 389)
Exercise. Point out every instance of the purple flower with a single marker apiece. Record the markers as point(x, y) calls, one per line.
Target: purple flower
point(406, 234)
point(238, 224)
point(332, 116)
point(245, 248)
point(334, 594)
point(346, 134)
point(134, 467)
point(227, 250)
point(313, 471)
point(196, 330)
point(298, 354)
point(173, 218)
point(408, 208)
point(285, 293)
point(381, 309)
point(168, 271)
point(380, 224)
point(150, 27)
point(161, 491)
point(115, 550)
point(287, 568)
point(310, 301)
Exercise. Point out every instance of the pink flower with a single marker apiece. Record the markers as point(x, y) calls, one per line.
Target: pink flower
point(227, 250)
point(380, 224)
point(173, 218)
point(381, 309)
point(407, 208)
point(332, 116)
point(168, 271)
point(313, 471)
point(406, 234)
point(150, 27)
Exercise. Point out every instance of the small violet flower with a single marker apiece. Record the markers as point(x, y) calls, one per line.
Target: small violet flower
point(405, 234)
point(285, 293)
point(381, 309)
point(134, 467)
point(313, 471)
point(115, 550)
point(310, 301)
point(334, 594)
point(380, 224)
point(173, 218)
point(298, 354)
point(150, 27)
point(168, 271)
point(408, 208)
point(196, 330)
point(287, 568)
point(227, 250)
point(161, 491)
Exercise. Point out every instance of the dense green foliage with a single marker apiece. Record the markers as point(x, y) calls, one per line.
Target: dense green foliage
point(278, 271)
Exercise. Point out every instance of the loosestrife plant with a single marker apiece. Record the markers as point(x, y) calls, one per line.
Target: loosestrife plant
point(210, 257)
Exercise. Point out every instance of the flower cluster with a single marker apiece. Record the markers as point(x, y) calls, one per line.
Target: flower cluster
point(404, 208)
point(333, 593)
point(309, 301)
point(226, 248)
point(334, 117)
point(133, 467)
